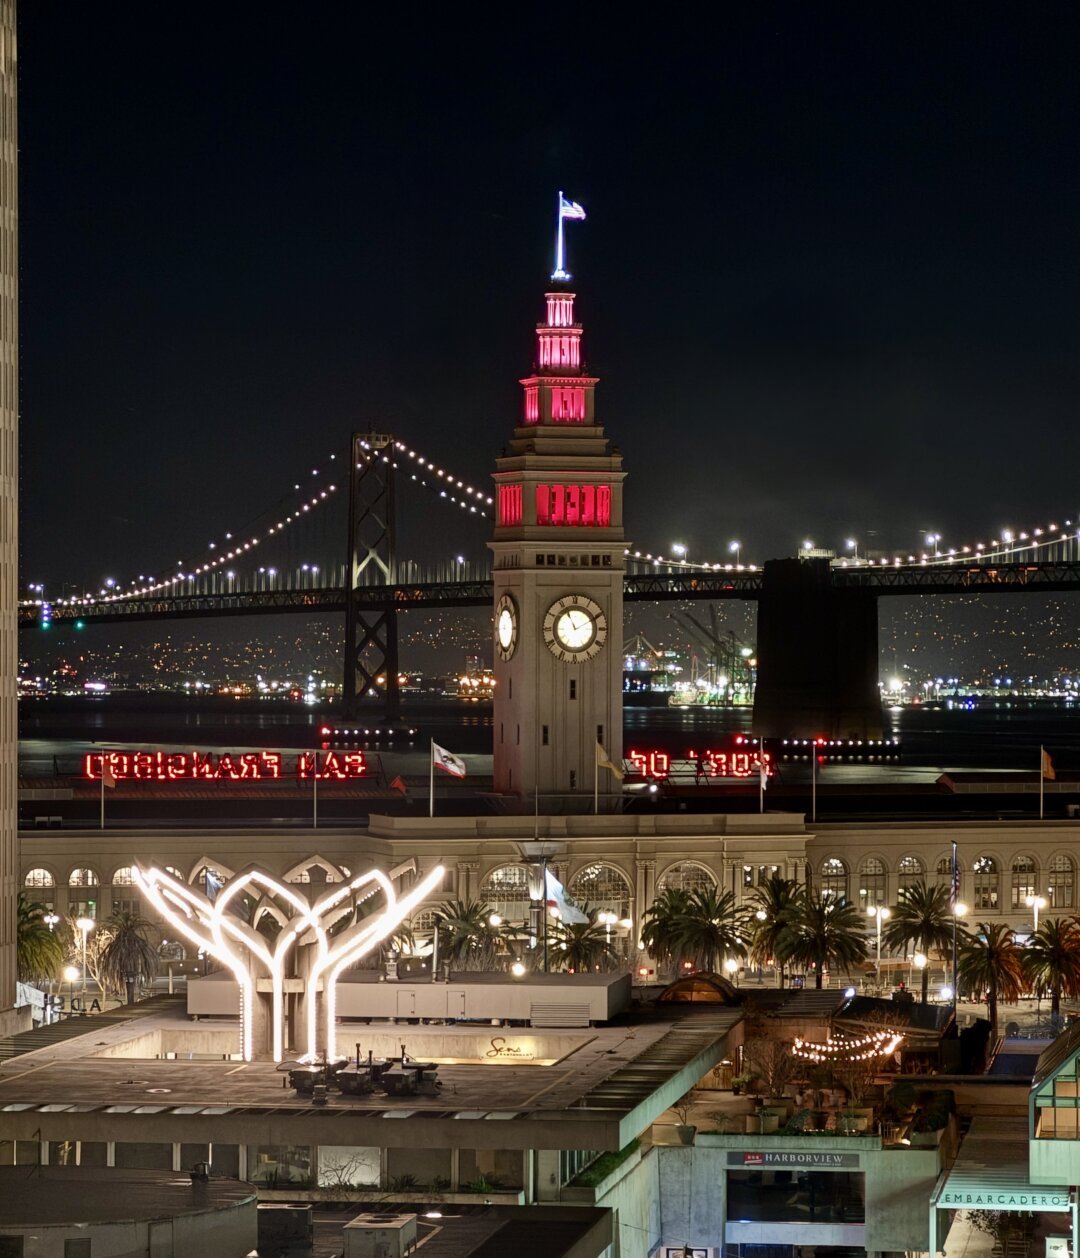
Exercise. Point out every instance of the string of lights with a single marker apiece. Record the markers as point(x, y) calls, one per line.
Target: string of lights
point(856, 1048)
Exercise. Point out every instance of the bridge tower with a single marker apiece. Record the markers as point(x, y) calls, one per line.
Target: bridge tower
point(371, 639)
point(558, 573)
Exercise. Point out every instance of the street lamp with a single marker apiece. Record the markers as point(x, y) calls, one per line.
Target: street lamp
point(853, 545)
point(732, 967)
point(736, 549)
point(607, 919)
point(879, 912)
point(932, 539)
point(51, 920)
point(959, 910)
point(678, 549)
point(85, 926)
point(71, 973)
point(1035, 903)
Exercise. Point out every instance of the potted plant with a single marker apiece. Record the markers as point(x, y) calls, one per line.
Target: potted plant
point(683, 1129)
point(740, 1084)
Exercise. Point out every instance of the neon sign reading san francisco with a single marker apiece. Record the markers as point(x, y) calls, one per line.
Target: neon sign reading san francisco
point(700, 764)
point(225, 766)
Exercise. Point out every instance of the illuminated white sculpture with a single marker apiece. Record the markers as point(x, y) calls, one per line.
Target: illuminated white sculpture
point(208, 925)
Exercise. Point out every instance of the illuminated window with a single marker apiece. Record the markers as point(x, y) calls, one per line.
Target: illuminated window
point(872, 880)
point(509, 504)
point(1024, 875)
point(532, 404)
point(834, 879)
point(506, 892)
point(39, 878)
point(909, 872)
point(124, 877)
point(601, 886)
point(987, 880)
point(587, 506)
point(686, 876)
point(568, 404)
point(82, 878)
point(1061, 874)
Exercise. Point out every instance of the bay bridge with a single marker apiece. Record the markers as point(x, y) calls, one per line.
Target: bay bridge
point(817, 613)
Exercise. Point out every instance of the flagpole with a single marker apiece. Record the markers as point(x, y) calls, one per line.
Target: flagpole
point(431, 782)
point(558, 237)
point(1042, 778)
point(103, 792)
point(315, 794)
point(761, 780)
point(596, 781)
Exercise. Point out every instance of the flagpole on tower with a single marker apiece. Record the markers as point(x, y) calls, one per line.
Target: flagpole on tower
point(559, 271)
point(431, 784)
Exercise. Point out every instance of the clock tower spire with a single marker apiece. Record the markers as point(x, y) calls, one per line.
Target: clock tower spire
point(558, 576)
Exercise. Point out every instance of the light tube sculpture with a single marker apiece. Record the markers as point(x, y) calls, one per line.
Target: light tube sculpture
point(208, 925)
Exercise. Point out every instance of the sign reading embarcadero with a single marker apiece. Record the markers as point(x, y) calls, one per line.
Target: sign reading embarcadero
point(1034, 1199)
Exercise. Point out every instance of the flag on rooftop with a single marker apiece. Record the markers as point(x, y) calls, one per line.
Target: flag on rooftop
point(1047, 766)
point(447, 761)
point(569, 209)
point(569, 914)
point(398, 784)
point(108, 778)
point(603, 761)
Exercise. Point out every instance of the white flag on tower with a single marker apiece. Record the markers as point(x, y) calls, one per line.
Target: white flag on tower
point(447, 761)
point(569, 914)
point(569, 209)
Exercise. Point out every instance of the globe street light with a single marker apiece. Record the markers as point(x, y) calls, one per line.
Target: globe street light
point(736, 549)
point(879, 912)
point(85, 925)
point(1035, 903)
point(607, 919)
point(70, 974)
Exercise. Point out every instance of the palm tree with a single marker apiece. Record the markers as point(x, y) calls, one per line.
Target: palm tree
point(1051, 960)
point(129, 958)
point(711, 928)
point(771, 900)
point(579, 946)
point(822, 931)
point(922, 920)
point(660, 929)
point(466, 937)
point(991, 962)
point(39, 953)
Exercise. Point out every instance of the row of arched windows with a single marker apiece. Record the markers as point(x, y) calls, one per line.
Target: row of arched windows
point(988, 889)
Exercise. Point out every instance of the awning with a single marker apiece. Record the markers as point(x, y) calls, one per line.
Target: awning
point(991, 1173)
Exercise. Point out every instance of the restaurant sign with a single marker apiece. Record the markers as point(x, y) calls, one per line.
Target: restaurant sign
point(822, 1161)
point(225, 766)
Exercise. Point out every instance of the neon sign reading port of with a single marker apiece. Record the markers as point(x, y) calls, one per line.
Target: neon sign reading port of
point(225, 766)
point(705, 763)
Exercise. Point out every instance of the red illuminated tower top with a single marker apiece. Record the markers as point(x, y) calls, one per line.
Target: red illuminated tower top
point(558, 392)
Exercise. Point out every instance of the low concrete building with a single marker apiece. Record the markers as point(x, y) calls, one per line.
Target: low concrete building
point(97, 1212)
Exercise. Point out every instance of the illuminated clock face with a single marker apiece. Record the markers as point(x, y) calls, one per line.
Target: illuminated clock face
point(575, 628)
point(506, 627)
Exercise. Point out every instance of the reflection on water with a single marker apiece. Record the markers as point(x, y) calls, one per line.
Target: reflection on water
point(56, 734)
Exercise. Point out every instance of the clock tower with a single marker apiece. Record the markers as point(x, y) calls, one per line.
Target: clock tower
point(558, 574)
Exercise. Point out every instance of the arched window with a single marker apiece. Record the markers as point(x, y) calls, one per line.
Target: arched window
point(313, 870)
point(686, 876)
point(125, 902)
point(83, 893)
point(506, 890)
point(872, 883)
point(209, 880)
point(834, 878)
point(986, 884)
point(39, 878)
point(910, 871)
point(1025, 874)
point(179, 875)
point(601, 887)
point(1062, 872)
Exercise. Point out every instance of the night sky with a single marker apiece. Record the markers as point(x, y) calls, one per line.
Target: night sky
point(829, 277)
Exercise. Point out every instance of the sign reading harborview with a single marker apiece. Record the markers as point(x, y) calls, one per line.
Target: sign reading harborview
point(824, 1161)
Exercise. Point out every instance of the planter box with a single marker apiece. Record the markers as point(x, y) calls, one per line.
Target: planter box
point(375, 1196)
point(590, 1196)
